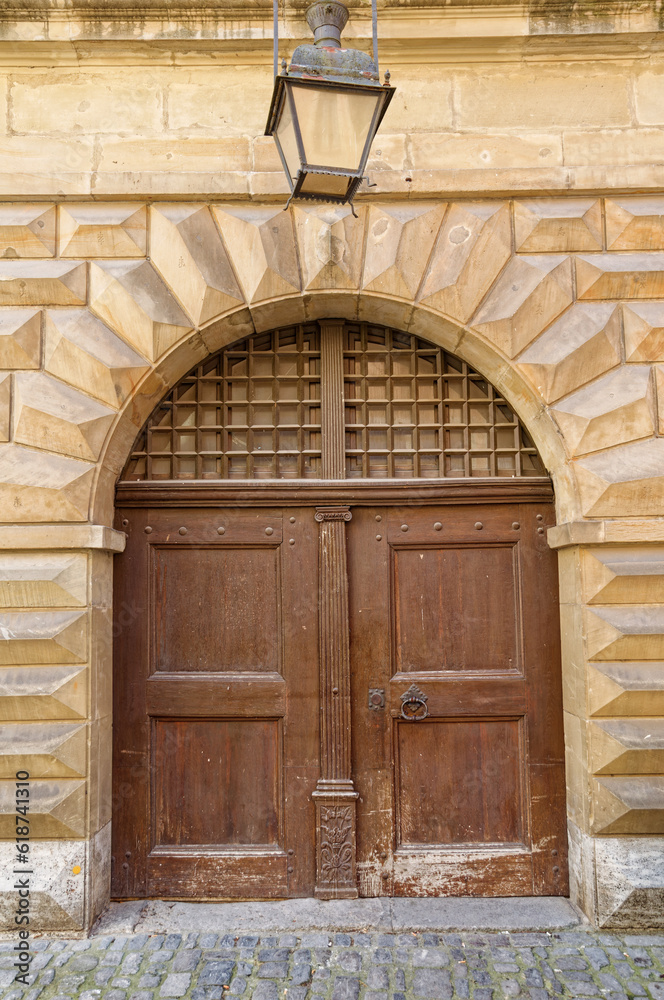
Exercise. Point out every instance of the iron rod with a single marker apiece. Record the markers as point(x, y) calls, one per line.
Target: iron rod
point(275, 34)
point(374, 31)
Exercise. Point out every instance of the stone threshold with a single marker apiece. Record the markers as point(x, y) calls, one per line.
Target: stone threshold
point(385, 914)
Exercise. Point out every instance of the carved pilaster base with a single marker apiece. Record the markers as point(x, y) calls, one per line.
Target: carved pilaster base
point(335, 840)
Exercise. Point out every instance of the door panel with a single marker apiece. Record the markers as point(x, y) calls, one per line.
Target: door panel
point(216, 698)
point(453, 617)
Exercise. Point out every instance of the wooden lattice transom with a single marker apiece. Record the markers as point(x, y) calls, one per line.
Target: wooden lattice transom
point(411, 410)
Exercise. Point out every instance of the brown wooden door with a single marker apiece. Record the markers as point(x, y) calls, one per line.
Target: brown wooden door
point(216, 742)
point(457, 715)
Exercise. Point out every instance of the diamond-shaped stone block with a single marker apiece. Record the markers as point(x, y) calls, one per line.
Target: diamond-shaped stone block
point(630, 574)
point(620, 276)
point(42, 283)
point(473, 246)
point(626, 689)
point(20, 338)
point(188, 253)
point(261, 246)
point(627, 478)
point(399, 244)
point(43, 637)
point(558, 225)
point(635, 223)
point(43, 692)
point(43, 580)
point(57, 895)
point(57, 808)
point(531, 293)
point(644, 331)
point(582, 344)
point(81, 350)
point(37, 486)
point(49, 414)
point(131, 298)
point(628, 805)
point(27, 231)
point(45, 749)
point(100, 231)
point(627, 746)
point(625, 633)
point(617, 408)
point(331, 243)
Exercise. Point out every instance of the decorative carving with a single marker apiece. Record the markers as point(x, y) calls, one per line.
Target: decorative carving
point(414, 704)
point(336, 845)
point(332, 514)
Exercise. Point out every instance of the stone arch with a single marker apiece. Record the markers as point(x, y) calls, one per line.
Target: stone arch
point(464, 342)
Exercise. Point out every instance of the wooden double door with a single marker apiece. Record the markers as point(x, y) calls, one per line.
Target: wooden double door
point(337, 691)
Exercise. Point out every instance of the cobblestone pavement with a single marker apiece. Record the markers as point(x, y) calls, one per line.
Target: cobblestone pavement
point(355, 966)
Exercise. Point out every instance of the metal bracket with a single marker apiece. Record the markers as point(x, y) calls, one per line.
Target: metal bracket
point(376, 699)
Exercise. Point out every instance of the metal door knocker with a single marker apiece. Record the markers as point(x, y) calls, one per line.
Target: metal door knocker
point(414, 704)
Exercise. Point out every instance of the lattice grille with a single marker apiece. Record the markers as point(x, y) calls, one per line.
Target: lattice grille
point(252, 411)
point(412, 410)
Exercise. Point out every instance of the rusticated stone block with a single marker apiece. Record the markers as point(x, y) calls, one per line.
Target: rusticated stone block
point(57, 893)
point(133, 300)
point(629, 876)
point(57, 809)
point(625, 633)
point(27, 230)
point(261, 245)
point(331, 243)
point(628, 478)
point(530, 294)
point(612, 410)
point(43, 693)
point(628, 805)
point(558, 225)
point(42, 283)
point(45, 749)
point(98, 231)
point(51, 415)
point(634, 223)
point(37, 486)
point(628, 575)
point(43, 637)
point(187, 251)
point(20, 338)
point(473, 246)
point(5, 404)
point(620, 276)
point(81, 350)
point(644, 331)
point(399, 244)
point(43, 579)
point(582, 344)
point(627, 746)
point(626, 689)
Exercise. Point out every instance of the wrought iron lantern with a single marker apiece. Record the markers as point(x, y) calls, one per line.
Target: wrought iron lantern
point(326, 109)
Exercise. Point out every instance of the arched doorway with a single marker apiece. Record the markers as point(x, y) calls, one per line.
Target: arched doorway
point(338, 664)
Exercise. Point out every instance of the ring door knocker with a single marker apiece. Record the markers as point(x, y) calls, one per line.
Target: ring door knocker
point(414, 704)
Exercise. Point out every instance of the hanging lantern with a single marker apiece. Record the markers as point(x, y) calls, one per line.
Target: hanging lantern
point(326, 109)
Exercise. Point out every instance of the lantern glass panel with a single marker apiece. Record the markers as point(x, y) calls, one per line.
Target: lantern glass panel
point(334, 125)
point(334, 185)
point(285, 136)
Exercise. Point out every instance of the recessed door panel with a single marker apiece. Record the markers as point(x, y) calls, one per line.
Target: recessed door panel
point(456, 608)
point(216, 782)
point(459, 782)
point(216, 608)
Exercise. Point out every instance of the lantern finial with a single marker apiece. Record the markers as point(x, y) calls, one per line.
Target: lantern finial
point(327, 19)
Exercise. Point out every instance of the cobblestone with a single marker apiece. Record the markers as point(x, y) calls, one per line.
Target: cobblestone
point(362, 966)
